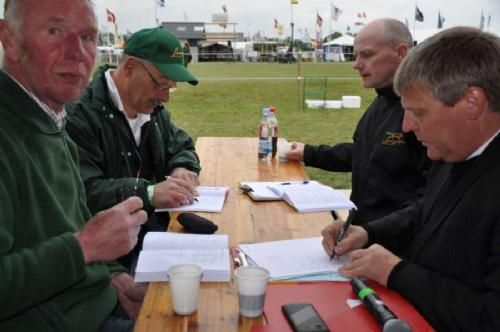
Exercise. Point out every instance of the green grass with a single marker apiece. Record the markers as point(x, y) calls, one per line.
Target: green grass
point(229, 98)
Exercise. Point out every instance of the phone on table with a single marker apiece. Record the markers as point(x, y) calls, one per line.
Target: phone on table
point(304, 318)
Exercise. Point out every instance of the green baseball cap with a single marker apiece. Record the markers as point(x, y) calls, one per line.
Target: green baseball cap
point(163, 50)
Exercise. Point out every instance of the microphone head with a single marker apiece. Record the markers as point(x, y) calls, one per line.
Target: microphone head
point(396, 325)
point(196, 224)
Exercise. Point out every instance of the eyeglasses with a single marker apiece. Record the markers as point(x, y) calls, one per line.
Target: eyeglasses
point(159, 86)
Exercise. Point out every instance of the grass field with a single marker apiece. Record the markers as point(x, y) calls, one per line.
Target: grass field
point(229, 98)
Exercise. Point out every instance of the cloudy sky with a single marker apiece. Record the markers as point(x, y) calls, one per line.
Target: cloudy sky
point(258, 15)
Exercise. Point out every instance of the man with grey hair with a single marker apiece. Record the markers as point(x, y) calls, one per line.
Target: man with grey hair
point(450, 89)
point(56, 259)
point(387, 165)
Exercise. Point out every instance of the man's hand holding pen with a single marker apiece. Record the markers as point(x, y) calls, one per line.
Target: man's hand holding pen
point(375, 262)
point(173, 192)
point(353, 237)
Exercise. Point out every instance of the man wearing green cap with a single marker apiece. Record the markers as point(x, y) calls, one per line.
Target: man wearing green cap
point(128, 145)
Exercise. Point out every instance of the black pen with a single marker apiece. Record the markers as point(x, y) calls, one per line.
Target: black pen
point(343, 232)
point(288, 183)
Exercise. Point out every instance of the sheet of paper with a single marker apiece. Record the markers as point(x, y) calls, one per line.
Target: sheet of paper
point(169, 240)
point(164, 249)
point(312, 197)
point(210, 199)
point(261, 190)
point(292, 258)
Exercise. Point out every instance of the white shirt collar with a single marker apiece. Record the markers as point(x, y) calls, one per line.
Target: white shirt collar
point(135, 123)
point(59, 118)
point(483, 147)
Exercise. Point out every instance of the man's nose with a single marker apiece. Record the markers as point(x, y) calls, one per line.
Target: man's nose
point(74, 47)
point(408, 122)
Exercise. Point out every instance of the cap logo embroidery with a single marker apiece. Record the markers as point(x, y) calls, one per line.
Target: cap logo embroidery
point(393, 138)
point(177, 54)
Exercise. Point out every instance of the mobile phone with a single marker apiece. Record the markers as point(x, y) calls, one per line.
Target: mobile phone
point(304, 318)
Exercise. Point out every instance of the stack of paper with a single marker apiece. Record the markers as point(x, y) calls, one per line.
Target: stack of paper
point(302, 259)
point(304, 195)
point(312, 197)
point(161, 250)
point(210, 199)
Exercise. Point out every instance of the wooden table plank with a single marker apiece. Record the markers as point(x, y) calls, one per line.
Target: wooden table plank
point(226, 162)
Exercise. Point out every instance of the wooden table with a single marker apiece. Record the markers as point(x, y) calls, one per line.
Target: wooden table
point(225, 162)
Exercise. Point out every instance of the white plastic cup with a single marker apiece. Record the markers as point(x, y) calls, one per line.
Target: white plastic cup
point(252, 283)
point(283, 147)
point(185, 286)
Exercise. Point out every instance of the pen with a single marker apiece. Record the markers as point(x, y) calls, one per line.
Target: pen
point(288, 183)
point(342, 232)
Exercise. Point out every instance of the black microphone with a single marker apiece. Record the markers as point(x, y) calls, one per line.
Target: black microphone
point(196, 224)
point(385, 317)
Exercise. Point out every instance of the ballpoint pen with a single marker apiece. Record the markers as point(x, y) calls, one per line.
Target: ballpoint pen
point(343, 232)
point(289, 183)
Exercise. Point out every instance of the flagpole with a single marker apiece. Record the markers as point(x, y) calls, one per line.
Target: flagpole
point(331, 18)
point(414, 19)
point(291, 26)
point(156, 13)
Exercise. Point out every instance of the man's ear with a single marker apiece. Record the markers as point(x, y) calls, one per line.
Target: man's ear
point(401, 51)
point(10, 45)
point(475, 102)
point(129, 65)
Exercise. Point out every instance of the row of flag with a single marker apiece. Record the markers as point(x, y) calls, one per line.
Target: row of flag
point(419, 16)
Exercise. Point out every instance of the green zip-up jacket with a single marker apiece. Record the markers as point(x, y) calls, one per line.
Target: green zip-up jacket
point(45, 284)
point(108, 150)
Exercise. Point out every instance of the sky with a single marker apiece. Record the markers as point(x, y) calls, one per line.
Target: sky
point(252, 16)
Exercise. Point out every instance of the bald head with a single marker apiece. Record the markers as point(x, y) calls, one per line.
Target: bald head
point(379, 48)
point(388, 31)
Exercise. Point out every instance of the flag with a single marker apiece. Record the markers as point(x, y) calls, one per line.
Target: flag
point(161, 3)
point(224, 8)
point(111, 16)
point(294, 2)
point(440, 20)
point(489, 21)
point(419, 16)
point(335, 12)
point(276, 24)
point(481, 21)
point(359, 15)
point(319, 20)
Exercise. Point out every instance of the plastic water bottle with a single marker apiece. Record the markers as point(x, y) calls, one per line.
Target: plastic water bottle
point(265, 143)
point(273, 123)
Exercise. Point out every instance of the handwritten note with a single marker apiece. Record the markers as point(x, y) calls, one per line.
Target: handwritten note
point(292, 258)
point(162, 250)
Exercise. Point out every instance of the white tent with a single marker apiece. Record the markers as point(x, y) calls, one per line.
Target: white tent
point(334, 50)
point(344, 40)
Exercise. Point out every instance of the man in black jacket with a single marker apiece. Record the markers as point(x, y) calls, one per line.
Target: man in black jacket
point(450, 90)
point(387, 165)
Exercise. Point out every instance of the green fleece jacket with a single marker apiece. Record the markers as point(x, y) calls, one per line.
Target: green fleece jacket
point(108, 150)
point(45, 284)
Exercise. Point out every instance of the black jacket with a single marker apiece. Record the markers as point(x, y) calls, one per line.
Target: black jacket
point(452, 274)
point(388, 166)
